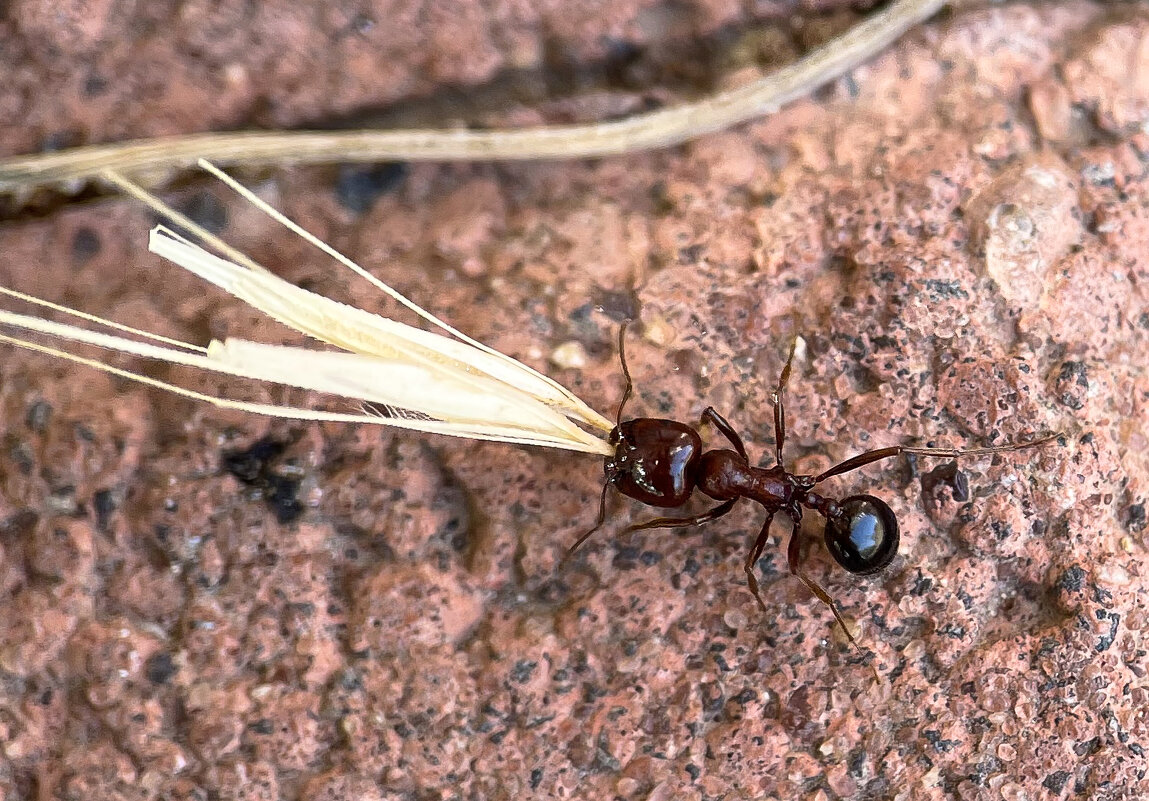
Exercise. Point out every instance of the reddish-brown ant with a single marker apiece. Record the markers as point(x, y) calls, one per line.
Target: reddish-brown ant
point(661, 463)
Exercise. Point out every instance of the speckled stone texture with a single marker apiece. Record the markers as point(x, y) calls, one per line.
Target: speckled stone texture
point(200, 604)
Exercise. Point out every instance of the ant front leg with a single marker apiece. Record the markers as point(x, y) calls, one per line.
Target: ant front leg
point(794, 560)
point(597, 524)
point(718, 421)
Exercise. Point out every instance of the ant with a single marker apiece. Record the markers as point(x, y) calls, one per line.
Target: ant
point(661, 463)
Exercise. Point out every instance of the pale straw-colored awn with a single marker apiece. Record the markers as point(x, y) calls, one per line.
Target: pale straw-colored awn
point(395, 374)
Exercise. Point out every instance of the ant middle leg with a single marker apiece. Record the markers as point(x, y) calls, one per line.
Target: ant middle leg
point(676, 522)
point(712, 416)
point(794, 561)
point(780, 405)
point(752, 560)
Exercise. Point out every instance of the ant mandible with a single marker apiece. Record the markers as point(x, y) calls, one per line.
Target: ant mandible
point(661, 463)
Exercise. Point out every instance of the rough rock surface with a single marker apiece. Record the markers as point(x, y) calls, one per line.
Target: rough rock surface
point(197, 603)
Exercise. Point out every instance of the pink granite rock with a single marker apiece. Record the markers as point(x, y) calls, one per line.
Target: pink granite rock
point(201, 603)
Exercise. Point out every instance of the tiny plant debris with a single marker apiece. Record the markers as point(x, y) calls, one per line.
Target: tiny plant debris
point(447, 383)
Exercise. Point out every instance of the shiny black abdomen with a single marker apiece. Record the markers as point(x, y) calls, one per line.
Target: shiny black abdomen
point(655, 461)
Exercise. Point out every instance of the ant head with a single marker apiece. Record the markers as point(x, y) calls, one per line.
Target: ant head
point(862, 534)
point(655, 461)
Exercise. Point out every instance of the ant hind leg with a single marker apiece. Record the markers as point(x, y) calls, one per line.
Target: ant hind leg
point(794, 560)
point(869, 457)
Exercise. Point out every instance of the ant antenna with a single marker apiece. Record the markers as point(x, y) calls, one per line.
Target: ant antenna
point(626, 392)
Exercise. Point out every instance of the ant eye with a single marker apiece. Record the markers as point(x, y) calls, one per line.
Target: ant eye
point(863, 538)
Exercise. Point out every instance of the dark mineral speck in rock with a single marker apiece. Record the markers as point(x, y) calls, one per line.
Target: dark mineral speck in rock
point(160, 668)
point(357, 187)
point(85, 245)
point(206, 210)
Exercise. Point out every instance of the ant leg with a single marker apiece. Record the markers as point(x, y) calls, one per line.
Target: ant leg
point(675, 522)
point(863, 459)
point(718, 421)
point(752, 560)
point(794, 560)
point(597, 525)
point(956, 452)
point(780, 405)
